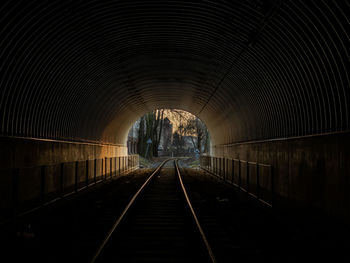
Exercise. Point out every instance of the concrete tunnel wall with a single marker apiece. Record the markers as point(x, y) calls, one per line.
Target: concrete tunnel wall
point(36, 171)
point(252, 70)
point(309, 173)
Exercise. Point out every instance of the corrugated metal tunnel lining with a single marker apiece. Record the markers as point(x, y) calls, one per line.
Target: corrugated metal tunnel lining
point(254, 69)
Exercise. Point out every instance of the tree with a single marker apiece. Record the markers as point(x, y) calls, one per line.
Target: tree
point(196, 128)
point(150, 127)
point(141, 137)
point(178, 142)
point(166, 135)
point(157, 130)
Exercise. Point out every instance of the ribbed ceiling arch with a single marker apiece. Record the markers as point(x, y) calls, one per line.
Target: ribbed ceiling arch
point(252, 69)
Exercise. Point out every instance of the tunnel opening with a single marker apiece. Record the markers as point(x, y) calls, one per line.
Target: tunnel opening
point(168, 133)
point(268, 78)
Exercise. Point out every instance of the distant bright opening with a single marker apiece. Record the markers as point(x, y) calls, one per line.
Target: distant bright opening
point(168, 132)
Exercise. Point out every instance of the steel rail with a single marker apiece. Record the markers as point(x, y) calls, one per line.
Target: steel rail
point(115, 225)
point(205, 240)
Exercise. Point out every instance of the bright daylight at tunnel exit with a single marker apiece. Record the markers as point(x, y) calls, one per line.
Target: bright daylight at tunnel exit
point(168, 133)
point(175, 131)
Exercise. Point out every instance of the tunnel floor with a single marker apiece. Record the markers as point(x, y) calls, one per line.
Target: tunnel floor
point(238, 228)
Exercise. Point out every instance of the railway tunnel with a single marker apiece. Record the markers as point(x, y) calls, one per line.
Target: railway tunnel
point(269, 78)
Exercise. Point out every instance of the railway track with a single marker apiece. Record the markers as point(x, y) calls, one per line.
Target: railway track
point(158, 225)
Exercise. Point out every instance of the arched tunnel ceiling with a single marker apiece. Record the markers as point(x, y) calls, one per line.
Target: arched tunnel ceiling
point(253, 69)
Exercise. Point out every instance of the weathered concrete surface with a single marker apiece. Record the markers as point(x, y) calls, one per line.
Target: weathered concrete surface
point(22, 152)
point(33, 171)
point(310, 172)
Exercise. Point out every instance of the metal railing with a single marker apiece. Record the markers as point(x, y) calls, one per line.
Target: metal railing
point(256, 179)
point(26, 189)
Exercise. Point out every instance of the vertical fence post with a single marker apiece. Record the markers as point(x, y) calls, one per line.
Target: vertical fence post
point(76, 176)
point(101, 169)
point(111, 167)
point(62, 179)
point(87, 173)
point(239, 173)
point(106, 165)
point(232, 170)
point(95, 170)
point(222, 162)
point(115, 166)
point(223, 168)
point(272, 186)
point(257, 181)
point(218, 166)
point(214, 165)
point(248, 177)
